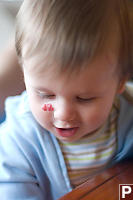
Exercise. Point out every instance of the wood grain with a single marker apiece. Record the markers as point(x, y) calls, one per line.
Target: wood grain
point(104, 185)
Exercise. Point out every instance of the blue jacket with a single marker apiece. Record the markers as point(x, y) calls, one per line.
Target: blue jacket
point(32, 166)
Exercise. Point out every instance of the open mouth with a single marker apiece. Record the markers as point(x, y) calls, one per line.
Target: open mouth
point(66, 132)
point(65, 129)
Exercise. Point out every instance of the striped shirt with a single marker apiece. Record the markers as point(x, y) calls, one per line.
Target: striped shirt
point(91, 153)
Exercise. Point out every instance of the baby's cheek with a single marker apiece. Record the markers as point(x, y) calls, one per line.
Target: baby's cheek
point(95, 118)
point(43, 118)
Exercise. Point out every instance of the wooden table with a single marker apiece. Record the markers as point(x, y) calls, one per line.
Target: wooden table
point(104, 186)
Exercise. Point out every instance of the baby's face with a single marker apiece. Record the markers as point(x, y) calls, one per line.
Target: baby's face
point(81, 103)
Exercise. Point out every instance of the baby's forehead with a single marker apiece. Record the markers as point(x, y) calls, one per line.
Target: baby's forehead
point(110, 49)
point(101, 66)
point(108, 57)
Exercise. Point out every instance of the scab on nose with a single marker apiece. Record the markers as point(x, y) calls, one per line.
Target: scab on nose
point(47, 107)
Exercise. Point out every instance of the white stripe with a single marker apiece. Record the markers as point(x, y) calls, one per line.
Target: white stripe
point(88, 148)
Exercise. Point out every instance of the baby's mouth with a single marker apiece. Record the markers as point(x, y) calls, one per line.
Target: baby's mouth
point(66, 132)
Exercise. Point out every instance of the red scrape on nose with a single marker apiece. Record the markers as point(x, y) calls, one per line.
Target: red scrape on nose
point(48, 107)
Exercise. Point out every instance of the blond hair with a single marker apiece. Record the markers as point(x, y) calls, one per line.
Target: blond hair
point(72, 32)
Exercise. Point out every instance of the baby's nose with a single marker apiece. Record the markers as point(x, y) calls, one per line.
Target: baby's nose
point(64, 112)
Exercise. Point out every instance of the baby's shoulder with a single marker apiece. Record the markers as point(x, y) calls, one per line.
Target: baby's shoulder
point(17, 105)
point(19, 118)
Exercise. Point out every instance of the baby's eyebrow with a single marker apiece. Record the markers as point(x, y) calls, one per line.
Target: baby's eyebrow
point(92, 93)
point(84, 94)
point(42, 89)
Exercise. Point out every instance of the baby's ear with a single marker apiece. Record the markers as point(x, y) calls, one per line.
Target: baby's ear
point(122, 84)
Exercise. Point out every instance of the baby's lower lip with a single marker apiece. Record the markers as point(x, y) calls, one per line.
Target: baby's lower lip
point(67, 132)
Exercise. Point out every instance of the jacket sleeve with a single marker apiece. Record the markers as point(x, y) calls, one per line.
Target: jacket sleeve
point(17, 177)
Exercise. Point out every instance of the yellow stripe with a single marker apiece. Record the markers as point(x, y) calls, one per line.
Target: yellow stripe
point(92, 158)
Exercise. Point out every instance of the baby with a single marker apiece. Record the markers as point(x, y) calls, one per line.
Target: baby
point(73, 120)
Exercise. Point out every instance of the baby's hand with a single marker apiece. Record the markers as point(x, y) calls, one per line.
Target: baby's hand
point(48, 107)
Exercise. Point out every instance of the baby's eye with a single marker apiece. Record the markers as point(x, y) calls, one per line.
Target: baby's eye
point(45, 96)
point(85, 99)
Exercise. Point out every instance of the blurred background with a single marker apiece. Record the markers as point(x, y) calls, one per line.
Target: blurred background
point(8, 11)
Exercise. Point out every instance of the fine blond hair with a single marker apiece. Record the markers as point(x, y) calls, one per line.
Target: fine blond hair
point(72, 32)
